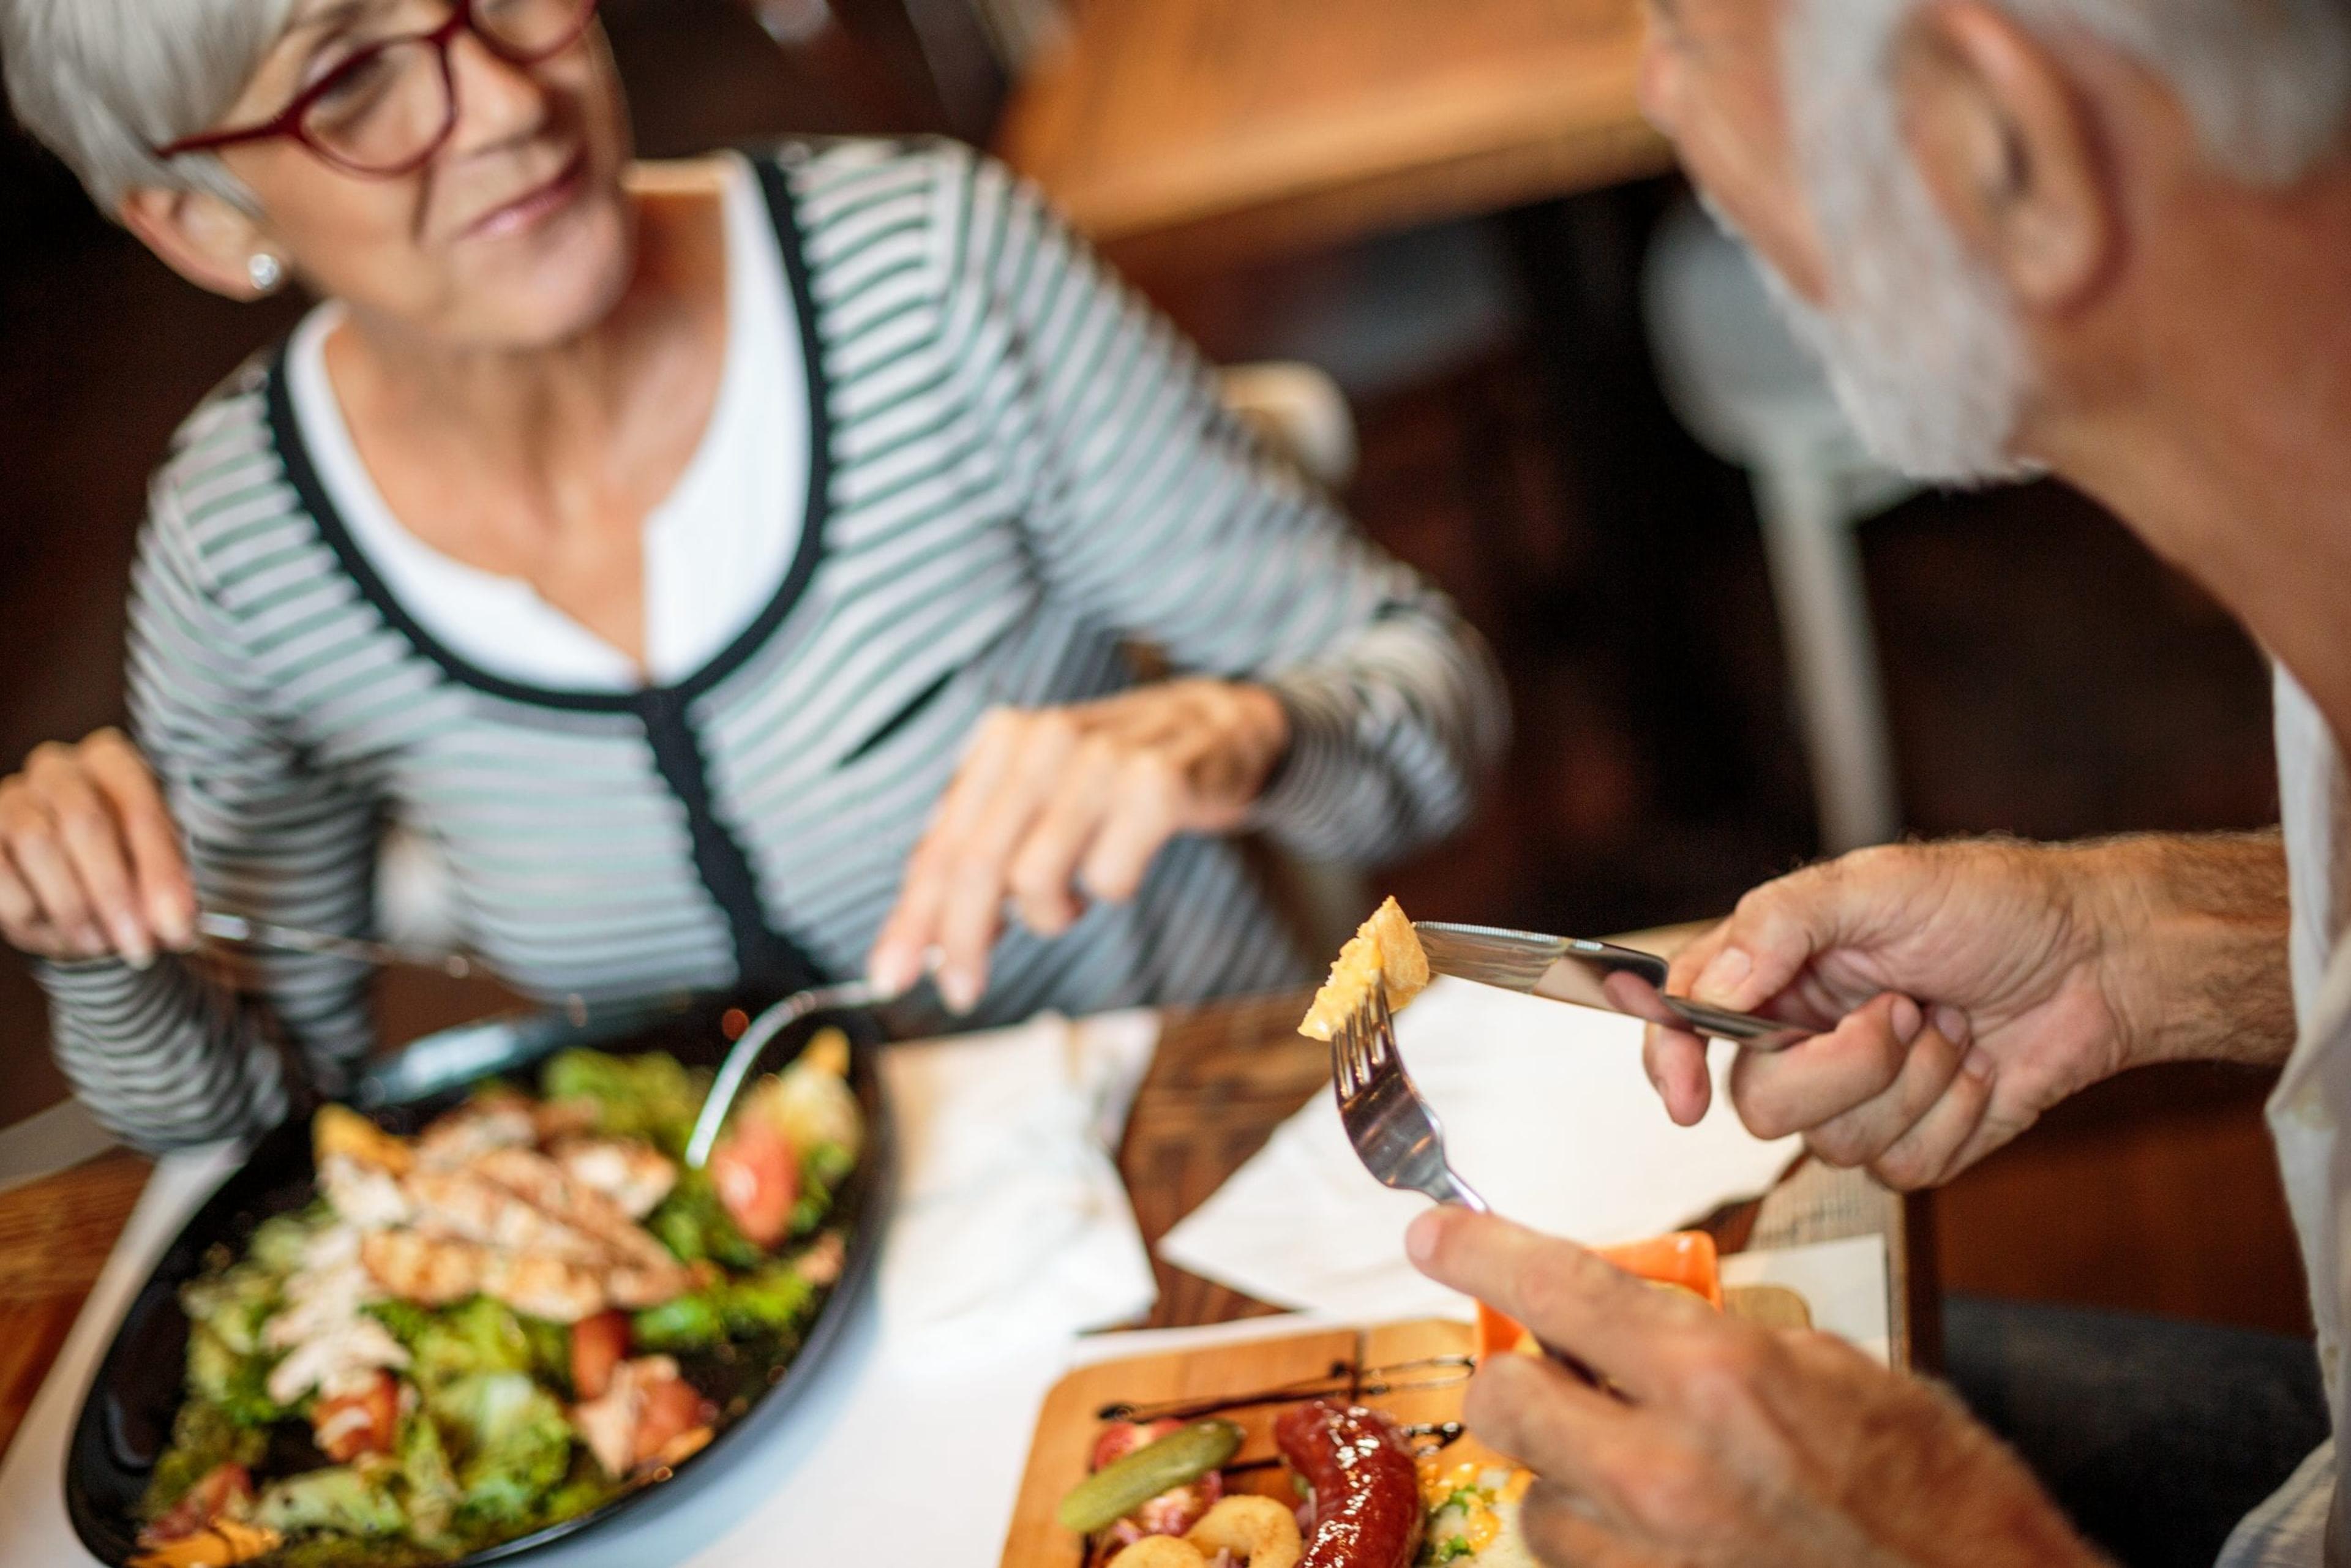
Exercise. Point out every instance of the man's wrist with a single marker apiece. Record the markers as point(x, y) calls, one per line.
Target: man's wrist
point(2193, 933)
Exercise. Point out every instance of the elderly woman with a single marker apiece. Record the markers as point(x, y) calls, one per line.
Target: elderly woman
point(730, 565)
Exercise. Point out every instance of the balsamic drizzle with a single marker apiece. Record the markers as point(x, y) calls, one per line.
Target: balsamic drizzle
point(1349, 1379)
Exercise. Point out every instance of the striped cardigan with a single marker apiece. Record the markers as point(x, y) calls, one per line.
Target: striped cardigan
point(1018, 472)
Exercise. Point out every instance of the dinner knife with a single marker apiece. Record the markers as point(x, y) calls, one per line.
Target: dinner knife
point(1588, 974)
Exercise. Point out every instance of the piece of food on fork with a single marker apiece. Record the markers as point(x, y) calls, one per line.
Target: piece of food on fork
point(1384, 951)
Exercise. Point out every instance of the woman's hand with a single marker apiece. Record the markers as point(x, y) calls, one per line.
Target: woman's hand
point(1965, 988)
point(1720, 1443)
point(1053, 807)
point(89, 859)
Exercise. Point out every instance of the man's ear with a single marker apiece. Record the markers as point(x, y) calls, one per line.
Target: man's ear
point(204, 239)
point(2009, 150)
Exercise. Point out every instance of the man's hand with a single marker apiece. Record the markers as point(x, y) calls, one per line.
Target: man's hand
point(1056, 805)
point(1720, 1442)
point(89, 861)
point(1967, 987)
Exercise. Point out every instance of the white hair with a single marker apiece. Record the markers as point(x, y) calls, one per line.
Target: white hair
point(103, 82)
point(1921, 338)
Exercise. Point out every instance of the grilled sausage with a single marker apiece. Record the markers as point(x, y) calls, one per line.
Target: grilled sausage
point(1367, 1487)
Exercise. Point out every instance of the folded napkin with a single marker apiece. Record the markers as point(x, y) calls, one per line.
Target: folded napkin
point(1011, 1235)
point(1547, 1113)
point(1012, 1224)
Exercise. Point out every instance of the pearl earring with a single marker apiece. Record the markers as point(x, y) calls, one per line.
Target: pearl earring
point(266, 271)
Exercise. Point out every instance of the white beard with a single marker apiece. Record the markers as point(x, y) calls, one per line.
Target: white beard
point(1921, 343)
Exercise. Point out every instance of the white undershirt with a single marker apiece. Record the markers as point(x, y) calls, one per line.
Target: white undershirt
point(716, 548)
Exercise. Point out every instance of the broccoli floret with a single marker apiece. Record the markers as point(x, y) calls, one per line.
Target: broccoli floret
point(694, 1226)
point(234, 1304)
point(278, 1242)
point(477, 1336)
point(775, 1301)
point(510, 1439)
point(203, 1437)
point(404, 1320)
point(344, 1499)
point(688, 1323)
point(357, 1552)
point(427, 1483)
point(237, 1384)
point(585, 1488)
point(651, 1096)
point(551, 1349)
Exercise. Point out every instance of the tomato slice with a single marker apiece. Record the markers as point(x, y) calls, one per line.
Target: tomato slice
point(671, 1407)
point(757, 1174)
point(362, 1422)
point(599, 1344)
point(214, 1493)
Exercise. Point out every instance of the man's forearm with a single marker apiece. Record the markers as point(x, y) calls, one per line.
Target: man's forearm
point(2196, 930)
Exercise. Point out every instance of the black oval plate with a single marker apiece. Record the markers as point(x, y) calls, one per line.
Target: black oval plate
point(125, 1420)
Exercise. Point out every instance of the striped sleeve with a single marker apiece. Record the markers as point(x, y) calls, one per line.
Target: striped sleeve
point(1154, 511)
point(171, 1055)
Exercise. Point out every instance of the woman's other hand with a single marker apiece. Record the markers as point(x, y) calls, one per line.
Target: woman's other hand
point(1053, 807)
point(90, 860)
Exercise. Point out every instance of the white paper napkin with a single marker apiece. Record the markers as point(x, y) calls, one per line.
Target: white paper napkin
point(1011, 1235)
point(1012, 1225)
point(1546, 1114)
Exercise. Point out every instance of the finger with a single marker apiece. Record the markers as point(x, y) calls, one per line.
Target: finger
point(1563, 1526)
point(92, 839)
point(1558, 1426)
point(1863, 1133)
point(41, 864)
point(1955, 1133)
point(1573, 1300)
point(1044, 868)
point(1818, 1080)
point(973, 913)
point(1141, 821)
point(166, 892)
point(20, 912)
point(909, 933)
point(1777, 929)
point(1676, 1062)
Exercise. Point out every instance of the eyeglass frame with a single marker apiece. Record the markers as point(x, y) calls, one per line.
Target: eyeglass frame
point(288, 122)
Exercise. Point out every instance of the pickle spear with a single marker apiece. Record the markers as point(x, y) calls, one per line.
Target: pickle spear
point(1125, 1484)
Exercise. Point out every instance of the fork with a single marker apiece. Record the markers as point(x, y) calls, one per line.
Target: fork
point(1395, 1133)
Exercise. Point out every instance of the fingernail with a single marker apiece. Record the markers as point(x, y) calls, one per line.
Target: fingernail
point(1979, 1066)
point(1907, 1019)
point(891, 972)
point(1420, 1237)
point(170, 922)
point(1953, 1025)
point(959, 989)
point(132, 942)
point(1719, 985)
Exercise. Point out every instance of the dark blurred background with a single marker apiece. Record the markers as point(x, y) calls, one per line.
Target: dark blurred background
point(2044, 675)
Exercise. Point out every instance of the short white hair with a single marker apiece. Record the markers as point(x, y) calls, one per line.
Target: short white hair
point(2266, 82)
point(103, 82)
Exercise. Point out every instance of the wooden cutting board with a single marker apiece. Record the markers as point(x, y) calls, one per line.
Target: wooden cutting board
point(1415, 1372)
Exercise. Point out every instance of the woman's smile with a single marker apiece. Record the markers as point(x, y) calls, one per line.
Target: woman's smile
point(533, 207)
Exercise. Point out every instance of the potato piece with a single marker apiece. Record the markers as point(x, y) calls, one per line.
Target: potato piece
point(1385, 949)
point(340, 1130)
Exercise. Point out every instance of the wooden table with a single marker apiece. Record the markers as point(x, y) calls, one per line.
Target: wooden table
point(1225, 1076)
point(1231, 128)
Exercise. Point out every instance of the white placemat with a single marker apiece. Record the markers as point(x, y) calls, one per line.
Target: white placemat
point(1547, 1113)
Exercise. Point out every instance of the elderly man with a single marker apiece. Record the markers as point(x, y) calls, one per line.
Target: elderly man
point(2108, 238)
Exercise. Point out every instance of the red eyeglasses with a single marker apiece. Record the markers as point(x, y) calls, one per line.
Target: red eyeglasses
point(389, 108)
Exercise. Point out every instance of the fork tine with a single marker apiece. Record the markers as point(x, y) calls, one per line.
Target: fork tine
point(1383, 1026)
